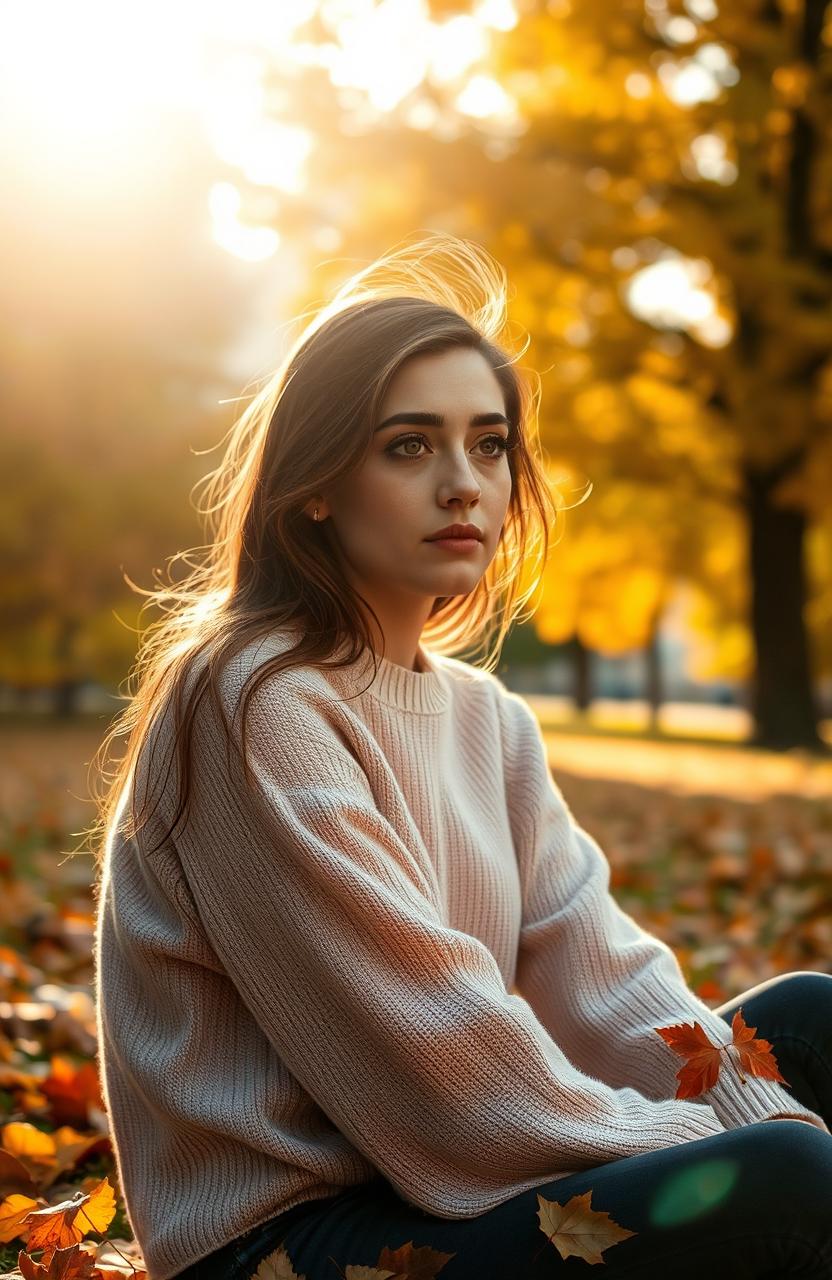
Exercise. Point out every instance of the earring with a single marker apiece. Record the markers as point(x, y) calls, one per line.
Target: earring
point(316, 513)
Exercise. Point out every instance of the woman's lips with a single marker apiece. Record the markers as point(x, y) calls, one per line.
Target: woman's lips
point(454, 544)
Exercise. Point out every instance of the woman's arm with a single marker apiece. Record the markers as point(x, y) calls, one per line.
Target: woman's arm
point(597, 981)
point(397, 1025)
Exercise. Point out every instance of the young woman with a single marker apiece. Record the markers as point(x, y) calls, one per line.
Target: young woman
point(361, 984)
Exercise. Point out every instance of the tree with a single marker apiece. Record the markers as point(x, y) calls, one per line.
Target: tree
point(110, 358)
point(607, 161)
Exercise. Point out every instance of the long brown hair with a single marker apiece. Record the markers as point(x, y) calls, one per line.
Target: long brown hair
point(266, 565)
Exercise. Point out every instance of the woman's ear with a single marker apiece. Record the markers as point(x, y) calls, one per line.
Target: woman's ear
point(313, 505)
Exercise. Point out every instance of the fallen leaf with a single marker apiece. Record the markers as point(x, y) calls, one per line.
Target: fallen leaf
point(64, 1264)
point(30, 1145)
point(420, 1263)
point(13, 1212)
point(120, 1258)
point(277, 1266)
point(60, 1225)
point(576, 1229)
point(14, 1176)
point(352, 1272)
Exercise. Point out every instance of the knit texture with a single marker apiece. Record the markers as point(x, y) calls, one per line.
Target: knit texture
point(397, 952)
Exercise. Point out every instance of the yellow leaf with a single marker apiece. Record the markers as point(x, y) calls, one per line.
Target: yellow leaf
point(277, 1266)
point(98, 1210)
point(28, 1143)
point(575, 1229)
point(13, 1210)
point(59, 1226)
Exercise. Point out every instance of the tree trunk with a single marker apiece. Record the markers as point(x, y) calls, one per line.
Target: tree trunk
point(582, 669)
point(653, 676)
point(65, 691)
point(783, 703)
point(782, 698)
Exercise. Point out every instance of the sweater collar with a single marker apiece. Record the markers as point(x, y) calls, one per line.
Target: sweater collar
point(423, 691)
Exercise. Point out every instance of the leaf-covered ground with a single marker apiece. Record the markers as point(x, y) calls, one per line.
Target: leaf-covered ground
point(724, 853)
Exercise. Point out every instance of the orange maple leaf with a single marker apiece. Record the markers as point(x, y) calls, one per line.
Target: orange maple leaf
point(72, 1090)
point(64, 1264)
point(704, 1059)
point(61, 1225)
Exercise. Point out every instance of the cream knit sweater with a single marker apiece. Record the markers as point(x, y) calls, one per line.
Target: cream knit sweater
point(398, 954)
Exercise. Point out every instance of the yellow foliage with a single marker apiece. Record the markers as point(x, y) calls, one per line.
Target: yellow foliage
point(28, 1143)
point(724, 647)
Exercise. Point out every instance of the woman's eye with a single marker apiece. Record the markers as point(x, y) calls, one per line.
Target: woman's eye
point(499, 441)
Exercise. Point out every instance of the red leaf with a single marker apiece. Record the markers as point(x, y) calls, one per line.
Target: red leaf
point(704, 1059)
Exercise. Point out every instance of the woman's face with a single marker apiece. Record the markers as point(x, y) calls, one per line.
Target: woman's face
point(419, 478)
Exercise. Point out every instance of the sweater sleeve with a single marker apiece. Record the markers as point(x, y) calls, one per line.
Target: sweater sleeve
point(597, 980)
point(400, 1027)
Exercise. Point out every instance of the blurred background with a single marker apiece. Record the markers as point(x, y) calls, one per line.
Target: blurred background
point(656, 177)
point(657, 180)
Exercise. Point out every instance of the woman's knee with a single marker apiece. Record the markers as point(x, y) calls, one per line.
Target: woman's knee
point(796, 983)
point(805, 983)
point(803, 995)
point(796, 1159)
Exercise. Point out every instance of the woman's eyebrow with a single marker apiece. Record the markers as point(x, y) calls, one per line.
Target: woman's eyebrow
point(437, 420)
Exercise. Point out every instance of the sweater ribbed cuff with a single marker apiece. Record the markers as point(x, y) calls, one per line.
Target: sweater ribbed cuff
point(758, 1099)
point(703, 1119)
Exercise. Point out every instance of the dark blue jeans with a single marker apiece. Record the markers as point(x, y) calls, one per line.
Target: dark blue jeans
point(753, 1202)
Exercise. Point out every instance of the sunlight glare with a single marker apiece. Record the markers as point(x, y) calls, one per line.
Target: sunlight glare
point(253, 244)
point(252, 22)
point(455, 46)
point(672, 293)
point(388, 49)
point(638, 85)
point(499, 14)
point(710, 159)
point(270, 152)
point(383, 49)
point(687, 82)
point(484, 97)
point(678, 30)
point(80, 73)
point(700, 78)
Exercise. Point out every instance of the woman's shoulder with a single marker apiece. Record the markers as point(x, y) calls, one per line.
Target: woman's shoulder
point(276, 693)
point(476, 689)
point(515, 714)
point(285, 685)
point(465, 674)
